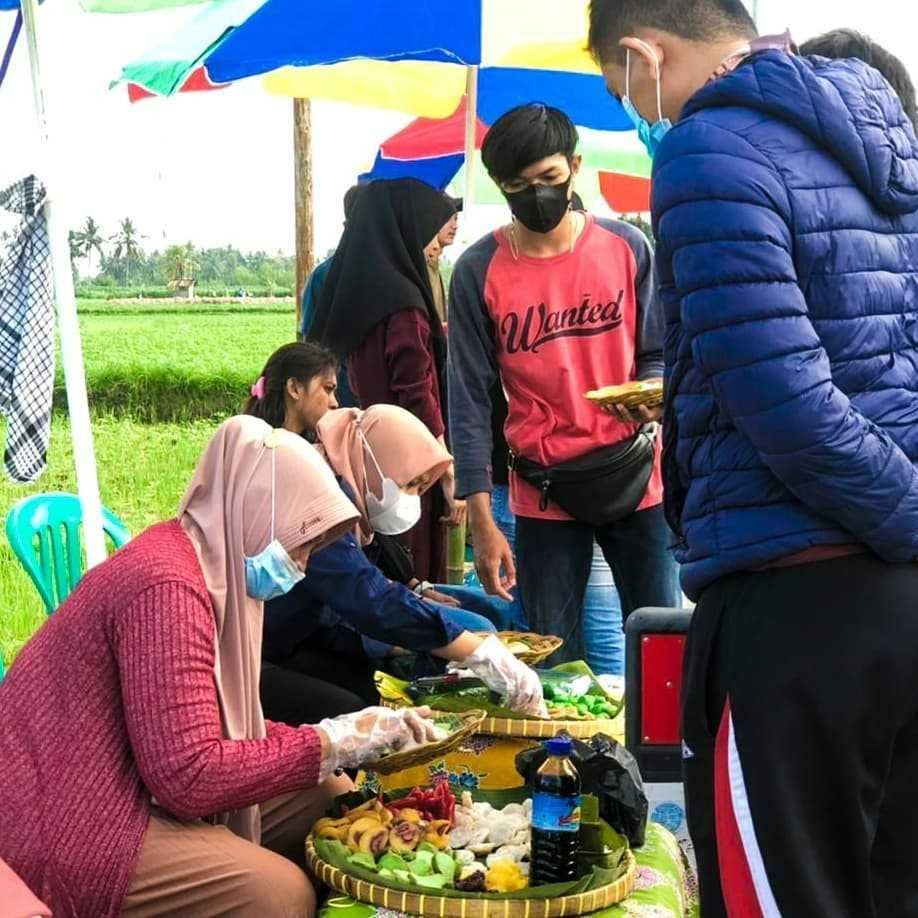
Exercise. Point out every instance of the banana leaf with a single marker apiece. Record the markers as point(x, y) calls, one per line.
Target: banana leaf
point(335, 853)
point(465, 698)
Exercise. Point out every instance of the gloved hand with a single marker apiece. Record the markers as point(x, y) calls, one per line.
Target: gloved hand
point(369, 734)
point(504, 673)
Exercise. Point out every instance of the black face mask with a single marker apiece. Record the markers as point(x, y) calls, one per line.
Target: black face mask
point(540, 208)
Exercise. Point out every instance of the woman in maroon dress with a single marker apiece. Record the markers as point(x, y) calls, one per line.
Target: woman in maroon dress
point(377, 312)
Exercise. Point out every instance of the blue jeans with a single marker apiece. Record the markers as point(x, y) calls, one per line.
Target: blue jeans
point(507, 616)
point(500, 614)
point(554, 557)
point(603, 634)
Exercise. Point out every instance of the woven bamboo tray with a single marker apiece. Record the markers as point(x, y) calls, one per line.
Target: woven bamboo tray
point(456, 907)
point(630, 394)
point(399, 761)
point(521, 728)
point(541, 646)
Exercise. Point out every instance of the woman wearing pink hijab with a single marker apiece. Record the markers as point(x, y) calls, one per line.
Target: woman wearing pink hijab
point(346, 619)
point(139, 774)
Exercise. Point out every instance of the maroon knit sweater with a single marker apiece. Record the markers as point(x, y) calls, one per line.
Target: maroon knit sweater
point(112, 702)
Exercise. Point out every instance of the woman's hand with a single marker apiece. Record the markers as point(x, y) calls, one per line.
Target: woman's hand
point(440, 598)
point(352, 739)
point(502, 672)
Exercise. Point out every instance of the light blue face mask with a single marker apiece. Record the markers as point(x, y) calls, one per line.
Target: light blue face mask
point(651, 135)
point(271, 573)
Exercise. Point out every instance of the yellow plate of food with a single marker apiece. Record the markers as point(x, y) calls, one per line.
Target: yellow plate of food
point(632, 394)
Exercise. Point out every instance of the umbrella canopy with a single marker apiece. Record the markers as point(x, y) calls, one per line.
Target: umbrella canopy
point(132, 6)
point(433, 150)
point(408, 55)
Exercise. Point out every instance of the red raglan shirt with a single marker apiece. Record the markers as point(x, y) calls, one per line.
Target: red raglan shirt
point(550, 329)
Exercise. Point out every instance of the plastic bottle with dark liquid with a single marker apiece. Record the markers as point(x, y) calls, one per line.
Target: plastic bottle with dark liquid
point(555, 817)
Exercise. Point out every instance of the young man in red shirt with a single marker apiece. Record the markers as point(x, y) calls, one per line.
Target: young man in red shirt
point(553, 305)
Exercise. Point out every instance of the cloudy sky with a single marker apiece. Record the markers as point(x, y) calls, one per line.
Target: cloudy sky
point(217, 168)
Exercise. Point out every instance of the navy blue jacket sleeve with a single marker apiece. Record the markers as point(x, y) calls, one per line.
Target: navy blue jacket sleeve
point(725, 244)
point(343, 578)
point(472, 370)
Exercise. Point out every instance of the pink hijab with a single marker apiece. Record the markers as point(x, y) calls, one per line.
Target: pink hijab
point(227, 514)
point(403, 446)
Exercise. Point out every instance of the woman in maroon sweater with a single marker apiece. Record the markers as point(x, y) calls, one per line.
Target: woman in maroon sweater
point(138, 774)
point(378, 313)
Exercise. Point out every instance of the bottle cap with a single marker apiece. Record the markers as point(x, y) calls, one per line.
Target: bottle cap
point(559, 745)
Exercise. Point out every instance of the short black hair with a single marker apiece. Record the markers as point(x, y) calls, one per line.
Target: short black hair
point(695, 20)
point(524, 136)
point(846, 43)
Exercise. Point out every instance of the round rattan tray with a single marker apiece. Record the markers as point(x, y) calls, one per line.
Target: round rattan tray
point(400, 761)
point(541, 646)
point(460, 907)
point(522, 728)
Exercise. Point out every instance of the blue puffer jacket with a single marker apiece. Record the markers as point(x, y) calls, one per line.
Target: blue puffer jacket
point(786, 210)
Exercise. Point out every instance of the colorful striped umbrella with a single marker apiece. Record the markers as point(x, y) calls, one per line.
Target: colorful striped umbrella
point(433, 150)
point(409, 55)
point(416, 56)
point(132, 6)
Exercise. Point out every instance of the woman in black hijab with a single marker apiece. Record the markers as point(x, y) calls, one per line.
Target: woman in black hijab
point(377, 313)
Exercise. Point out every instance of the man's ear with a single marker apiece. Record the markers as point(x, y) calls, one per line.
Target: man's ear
point(651, 54)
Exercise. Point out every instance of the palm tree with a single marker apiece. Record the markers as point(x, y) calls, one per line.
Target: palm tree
point(90, 239)
point(127, 245)
point(76, 249)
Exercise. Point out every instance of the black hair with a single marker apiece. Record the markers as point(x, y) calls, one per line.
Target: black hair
point(351, 196)
point(845, 43)
point(695, 20)
point(524, 136)
point(303, 361)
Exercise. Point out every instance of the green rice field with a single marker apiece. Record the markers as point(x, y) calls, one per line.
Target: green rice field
point(160, 379)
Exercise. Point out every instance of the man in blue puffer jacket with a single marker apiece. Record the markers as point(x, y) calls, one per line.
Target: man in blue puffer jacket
point(785, 200)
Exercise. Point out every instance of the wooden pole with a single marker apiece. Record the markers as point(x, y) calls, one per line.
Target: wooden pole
point(302, 165)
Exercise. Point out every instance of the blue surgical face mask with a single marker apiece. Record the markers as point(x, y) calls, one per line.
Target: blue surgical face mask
point(650, 135)
point(271, 573)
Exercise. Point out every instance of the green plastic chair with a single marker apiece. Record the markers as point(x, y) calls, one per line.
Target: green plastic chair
point(44, 532)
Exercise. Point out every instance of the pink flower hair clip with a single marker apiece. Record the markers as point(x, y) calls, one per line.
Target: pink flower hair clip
point(259, 389)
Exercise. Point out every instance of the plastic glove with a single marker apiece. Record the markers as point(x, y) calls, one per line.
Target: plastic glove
point(504, 673)
point(369, 734)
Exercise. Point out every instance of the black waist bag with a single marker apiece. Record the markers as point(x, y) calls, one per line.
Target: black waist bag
point(600, 487)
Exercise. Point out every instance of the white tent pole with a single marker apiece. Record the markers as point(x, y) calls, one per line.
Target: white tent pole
point(471, 134)
point(71, 349)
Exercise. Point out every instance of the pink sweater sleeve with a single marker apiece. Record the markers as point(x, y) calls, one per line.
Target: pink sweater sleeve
point(412, 374)
point(164, 643)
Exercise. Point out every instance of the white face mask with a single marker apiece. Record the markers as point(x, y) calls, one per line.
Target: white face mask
point(397, 512)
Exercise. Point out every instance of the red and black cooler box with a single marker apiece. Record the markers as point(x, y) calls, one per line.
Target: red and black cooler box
point(655, 642)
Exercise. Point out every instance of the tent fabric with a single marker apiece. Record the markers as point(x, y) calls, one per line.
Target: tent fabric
point(279, 34)
point(430, 137)
point(625, 194)
point(406, 55)
point(10, 47)
point(132, 6)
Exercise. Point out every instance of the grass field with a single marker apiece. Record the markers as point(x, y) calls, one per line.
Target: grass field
point(159, 381)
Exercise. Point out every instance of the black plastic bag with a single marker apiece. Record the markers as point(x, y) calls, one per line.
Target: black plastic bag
point(607, 771)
